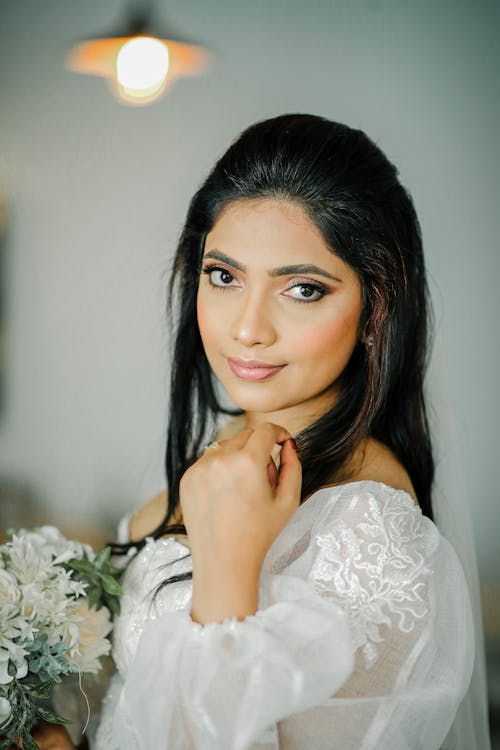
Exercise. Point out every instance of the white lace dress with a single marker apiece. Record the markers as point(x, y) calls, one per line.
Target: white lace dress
point(363, 639)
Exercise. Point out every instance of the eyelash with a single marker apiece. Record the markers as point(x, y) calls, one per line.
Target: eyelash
point(313, 285)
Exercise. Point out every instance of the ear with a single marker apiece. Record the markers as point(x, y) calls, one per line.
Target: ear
point(366, 338)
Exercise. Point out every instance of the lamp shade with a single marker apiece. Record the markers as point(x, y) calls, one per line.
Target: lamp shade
point(138, 63)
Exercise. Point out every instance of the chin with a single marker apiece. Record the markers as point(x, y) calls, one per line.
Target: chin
point(257, 402)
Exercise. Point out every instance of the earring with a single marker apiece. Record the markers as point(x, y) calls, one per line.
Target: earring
point(369, 342)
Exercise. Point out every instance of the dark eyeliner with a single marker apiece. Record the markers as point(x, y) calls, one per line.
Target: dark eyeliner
point(207, 269)
point(322, 290)
point(313, 285)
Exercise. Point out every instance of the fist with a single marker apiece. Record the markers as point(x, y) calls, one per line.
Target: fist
point(235, 502)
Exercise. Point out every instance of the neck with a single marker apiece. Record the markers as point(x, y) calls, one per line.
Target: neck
point(295, 419)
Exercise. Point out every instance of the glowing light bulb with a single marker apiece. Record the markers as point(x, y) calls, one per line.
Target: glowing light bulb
point(142, 66)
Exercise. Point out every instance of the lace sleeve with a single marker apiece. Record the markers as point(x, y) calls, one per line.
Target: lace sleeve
point(403, 589)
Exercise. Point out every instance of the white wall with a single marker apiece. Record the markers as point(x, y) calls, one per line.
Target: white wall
point(97, 193)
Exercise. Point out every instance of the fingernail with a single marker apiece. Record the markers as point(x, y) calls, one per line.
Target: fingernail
point(293, 444)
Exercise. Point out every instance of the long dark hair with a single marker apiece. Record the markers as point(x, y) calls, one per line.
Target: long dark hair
point(351, 192)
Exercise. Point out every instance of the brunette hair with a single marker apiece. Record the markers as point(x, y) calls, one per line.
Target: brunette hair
point(351, 192)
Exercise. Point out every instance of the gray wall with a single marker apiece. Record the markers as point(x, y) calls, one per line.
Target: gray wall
point(97, 192)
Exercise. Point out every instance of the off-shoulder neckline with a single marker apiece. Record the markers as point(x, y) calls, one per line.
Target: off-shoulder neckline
point(336, 489)
point(323, 490)
point(366, 481)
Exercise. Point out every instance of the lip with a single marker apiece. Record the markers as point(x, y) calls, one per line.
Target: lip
point(253, 369)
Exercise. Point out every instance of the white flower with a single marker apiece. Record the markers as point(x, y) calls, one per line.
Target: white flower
point(32, 554)
point(92, 643)
point(47, 593)
point(5, 677)
point(39, 596)
point(20, 662)
point(9, 590)
point(5, 711)
point(14, 628)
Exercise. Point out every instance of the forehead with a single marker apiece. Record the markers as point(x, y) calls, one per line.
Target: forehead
point(265, 227)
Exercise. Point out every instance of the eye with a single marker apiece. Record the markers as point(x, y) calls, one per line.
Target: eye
point(310, 292)
point(218, 277)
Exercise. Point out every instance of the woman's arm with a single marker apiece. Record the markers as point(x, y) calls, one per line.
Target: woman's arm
point(255, 669)
point(232, 522)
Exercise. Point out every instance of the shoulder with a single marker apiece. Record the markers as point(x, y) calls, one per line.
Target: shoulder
point(148, 516)
point(374, 461)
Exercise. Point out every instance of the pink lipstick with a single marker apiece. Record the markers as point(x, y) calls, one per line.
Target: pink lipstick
point(252, 369)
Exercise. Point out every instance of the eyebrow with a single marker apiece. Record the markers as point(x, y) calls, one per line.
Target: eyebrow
point(274, 272)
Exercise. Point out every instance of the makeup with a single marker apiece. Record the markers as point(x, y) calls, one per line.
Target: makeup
point(252, 373)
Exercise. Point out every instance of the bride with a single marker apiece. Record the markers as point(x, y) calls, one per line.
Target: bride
point(291, 589)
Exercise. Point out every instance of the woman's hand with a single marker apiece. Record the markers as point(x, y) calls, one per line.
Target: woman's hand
point(235, 503)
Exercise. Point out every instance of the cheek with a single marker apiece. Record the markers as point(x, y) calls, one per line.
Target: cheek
point(328, 343)
point(208, 321)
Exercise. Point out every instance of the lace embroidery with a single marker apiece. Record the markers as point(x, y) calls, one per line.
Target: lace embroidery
point(377, 569)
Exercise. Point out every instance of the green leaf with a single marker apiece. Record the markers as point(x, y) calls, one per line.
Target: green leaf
point(81, 566)
point(113, 605)
point(35, 665)
point(41, 690)
point(94, 593)
point(111, 586)
point(51, 717)
point(114, 571)
point(29, 743)
point(37, 645)
point(102, 558)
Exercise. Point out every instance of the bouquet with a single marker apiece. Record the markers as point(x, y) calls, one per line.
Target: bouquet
point(57, 602)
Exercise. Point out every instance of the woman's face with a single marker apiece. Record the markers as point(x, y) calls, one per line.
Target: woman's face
point(272, 290)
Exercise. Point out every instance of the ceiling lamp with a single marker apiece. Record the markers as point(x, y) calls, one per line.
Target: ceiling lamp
point(138, 63)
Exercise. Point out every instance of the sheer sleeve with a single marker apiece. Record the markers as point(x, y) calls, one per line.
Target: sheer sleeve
point(403, 589)
point(219, 686)
point(362, 639)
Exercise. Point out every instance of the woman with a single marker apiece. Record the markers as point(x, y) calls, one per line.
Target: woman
point(313, 602)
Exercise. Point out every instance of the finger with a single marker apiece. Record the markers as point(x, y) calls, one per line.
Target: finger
point(272, 473)
point(261, 442)
point(290, 475)
point(236, 442)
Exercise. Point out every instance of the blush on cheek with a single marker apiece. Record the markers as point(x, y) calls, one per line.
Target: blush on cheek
point(319, 340)
point(333, 341)
point(322, 340)
point(207, 325)
point(201, 316)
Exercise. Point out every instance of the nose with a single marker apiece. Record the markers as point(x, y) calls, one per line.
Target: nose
point(252, 322)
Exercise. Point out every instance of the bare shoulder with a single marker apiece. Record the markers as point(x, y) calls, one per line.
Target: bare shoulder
point(149, 516)
point(376, 462)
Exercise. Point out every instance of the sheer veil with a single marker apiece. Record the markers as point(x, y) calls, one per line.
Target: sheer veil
point(451, 503)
